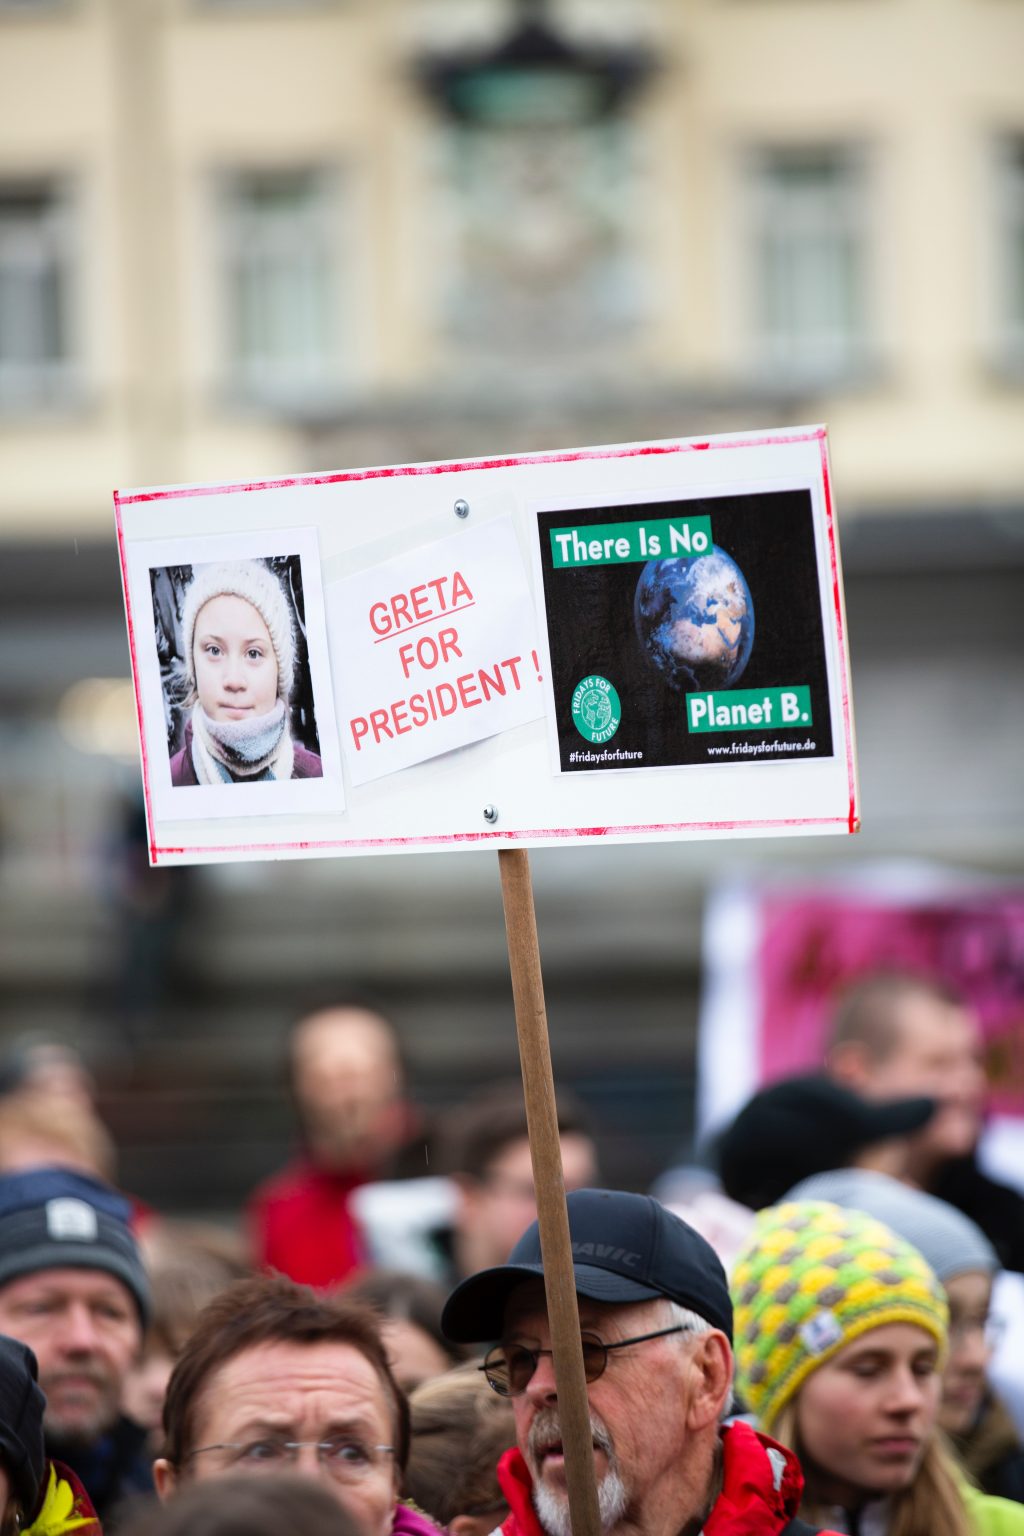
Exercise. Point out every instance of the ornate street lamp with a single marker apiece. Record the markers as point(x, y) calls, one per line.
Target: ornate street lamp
point(535, 197)
point(535, 77)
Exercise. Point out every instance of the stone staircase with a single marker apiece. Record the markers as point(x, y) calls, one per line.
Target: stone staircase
point(193, 1086)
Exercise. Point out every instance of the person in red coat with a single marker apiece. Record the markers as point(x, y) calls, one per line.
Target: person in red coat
point(347, 1084)
point(657, 1329)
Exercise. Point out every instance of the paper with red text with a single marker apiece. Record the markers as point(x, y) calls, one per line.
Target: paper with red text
point(434, 649)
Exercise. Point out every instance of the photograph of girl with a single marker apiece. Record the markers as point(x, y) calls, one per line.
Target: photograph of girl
point(235, 672)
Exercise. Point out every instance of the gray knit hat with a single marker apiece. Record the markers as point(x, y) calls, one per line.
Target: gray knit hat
point(950, 1241)
point(51, 1218)
point(257, 584)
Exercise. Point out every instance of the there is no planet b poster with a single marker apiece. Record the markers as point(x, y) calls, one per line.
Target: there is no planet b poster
point(686, 631)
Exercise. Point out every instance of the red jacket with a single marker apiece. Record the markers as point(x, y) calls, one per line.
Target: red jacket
point(760, 1492)
point(301, 1225)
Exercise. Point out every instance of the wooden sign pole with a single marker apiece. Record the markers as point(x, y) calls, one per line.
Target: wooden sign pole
point(542, 1119)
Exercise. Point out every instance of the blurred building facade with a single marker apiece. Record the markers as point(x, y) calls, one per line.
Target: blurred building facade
point(244, 237)
point(238, 232)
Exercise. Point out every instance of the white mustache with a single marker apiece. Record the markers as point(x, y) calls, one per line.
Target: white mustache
point(546, 1428)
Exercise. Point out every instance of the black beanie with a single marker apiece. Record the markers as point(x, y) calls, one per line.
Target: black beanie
point(21, 1422)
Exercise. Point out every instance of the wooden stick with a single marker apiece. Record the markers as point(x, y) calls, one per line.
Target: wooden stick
point(542, 1119)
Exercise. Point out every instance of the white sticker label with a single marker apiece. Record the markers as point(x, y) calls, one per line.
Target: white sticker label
point(778, 1461)
point(71, 1219)
point(820, 1332)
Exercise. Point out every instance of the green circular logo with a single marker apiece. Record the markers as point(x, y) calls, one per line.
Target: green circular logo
point(596, 711)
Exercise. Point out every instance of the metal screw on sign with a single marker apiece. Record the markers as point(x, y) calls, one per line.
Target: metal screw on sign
point(490, 814)
point(461, 508)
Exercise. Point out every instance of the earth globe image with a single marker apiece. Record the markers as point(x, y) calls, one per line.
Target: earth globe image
point(596, 710)
point(694, 618)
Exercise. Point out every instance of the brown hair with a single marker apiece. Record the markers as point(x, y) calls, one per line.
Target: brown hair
point(931, 1503)
point(13, 1517)
point(270, 1309)
point(188, 1265)
point(271, 1505)
point(394, 1293)
point(478, 1130)
point(460, 1428)
point(867, 1012)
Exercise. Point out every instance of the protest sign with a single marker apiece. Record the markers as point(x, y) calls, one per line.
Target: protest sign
point(779, 956)
point(638, 642)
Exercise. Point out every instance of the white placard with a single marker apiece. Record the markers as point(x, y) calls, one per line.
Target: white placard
point(433, 650)
point(679, 700)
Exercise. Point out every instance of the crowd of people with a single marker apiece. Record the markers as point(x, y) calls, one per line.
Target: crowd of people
point(798, 1337)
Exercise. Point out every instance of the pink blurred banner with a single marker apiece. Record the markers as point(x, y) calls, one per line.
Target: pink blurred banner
point(812, 946)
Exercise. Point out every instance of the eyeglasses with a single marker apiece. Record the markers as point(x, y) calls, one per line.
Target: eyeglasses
point(348, 1460)
point(509, 1367)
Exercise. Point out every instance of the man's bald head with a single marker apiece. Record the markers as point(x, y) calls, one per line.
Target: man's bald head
point(896, 1035)
point(348, 1084)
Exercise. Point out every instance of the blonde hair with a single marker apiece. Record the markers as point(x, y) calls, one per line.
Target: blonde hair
point(39, 1129)
point(932, 1503)
point(460, 1428)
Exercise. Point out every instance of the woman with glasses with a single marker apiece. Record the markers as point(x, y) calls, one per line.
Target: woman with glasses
point(981, 1431)
point(278, 1380)
point(841, 1337)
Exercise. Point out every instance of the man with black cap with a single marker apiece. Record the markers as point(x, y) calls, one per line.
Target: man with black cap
point(806, 1125)
point(73, 1288)
point(657, 1329)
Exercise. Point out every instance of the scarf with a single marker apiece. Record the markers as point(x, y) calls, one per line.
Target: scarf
point(64, 1506)
point(247, 751)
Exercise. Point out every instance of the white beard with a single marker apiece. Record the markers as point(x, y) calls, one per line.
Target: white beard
point(553, 1508)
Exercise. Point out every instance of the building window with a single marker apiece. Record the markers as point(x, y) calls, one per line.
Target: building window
point(282, 284)
point(808, 251)
point(1010, 286)
point(35, 264)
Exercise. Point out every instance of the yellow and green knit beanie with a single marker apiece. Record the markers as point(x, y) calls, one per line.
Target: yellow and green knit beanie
point(811, 1278)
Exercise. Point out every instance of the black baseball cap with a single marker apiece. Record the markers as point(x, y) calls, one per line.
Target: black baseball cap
point(624, 1248)
point(805, 1125)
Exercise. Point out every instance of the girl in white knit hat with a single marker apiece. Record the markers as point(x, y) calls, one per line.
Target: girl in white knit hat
point(238, 644)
